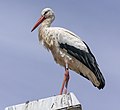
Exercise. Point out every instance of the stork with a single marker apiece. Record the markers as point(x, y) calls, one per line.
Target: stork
point(68, 50)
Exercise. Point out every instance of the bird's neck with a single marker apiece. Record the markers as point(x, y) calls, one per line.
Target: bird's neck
point(46, 23)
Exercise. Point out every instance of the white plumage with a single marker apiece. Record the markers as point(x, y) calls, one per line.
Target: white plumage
point(68, 49)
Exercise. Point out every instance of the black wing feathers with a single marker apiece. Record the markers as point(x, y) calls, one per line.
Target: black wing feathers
point(87, 59)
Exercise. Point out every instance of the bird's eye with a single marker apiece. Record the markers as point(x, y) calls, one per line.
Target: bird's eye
point(46, 12)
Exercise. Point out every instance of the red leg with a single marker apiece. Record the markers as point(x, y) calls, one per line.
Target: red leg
point(61, 90)
point(67, 79)
point(65, 82)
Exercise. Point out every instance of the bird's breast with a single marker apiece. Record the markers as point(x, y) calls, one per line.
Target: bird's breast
point(46, 38)
point(49, 39)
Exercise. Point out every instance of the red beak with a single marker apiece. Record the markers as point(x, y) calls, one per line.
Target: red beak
point(40, 20)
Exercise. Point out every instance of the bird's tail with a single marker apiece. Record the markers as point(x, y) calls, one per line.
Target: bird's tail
point(100, 79)
point(91, 63)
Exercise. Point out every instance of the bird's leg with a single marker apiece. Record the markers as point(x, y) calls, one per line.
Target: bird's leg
point(61, 90)
point(67, 77)
point(65, 81)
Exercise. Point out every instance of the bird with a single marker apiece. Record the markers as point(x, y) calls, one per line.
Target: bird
point(68, 50)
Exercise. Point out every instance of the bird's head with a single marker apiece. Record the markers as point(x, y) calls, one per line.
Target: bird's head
point(46, 14)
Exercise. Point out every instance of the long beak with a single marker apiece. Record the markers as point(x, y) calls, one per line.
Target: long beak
point(40, 20)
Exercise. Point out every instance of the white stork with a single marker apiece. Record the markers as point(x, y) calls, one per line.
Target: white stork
point(68, 50)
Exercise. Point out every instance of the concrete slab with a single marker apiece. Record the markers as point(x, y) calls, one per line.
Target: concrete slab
point(59, 102)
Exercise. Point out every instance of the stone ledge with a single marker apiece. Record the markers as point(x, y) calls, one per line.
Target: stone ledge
point(59, 102)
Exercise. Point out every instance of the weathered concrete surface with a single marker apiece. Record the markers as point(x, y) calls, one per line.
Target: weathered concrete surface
point(59, 102)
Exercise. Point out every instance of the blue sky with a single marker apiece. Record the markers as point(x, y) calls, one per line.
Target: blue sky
point(28, 71)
